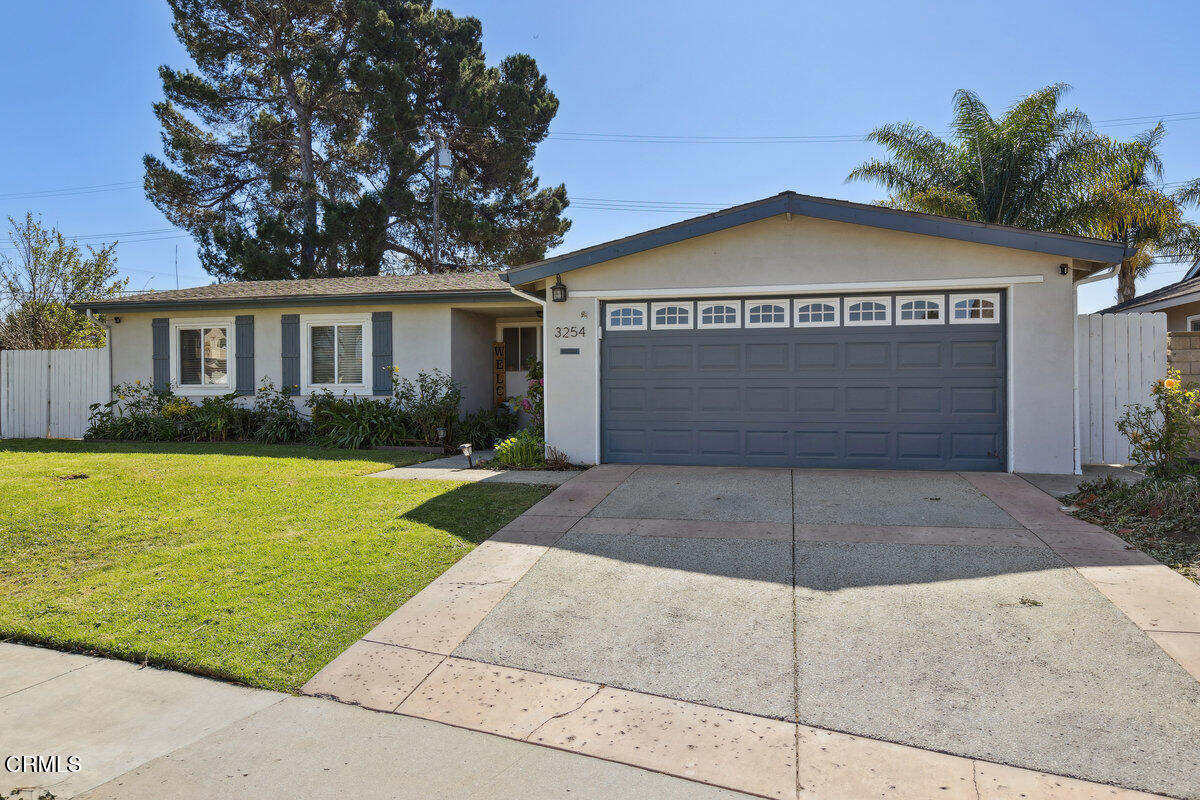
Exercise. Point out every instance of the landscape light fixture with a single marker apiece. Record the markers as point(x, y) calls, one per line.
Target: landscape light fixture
point(467, 450)
point(558, 292)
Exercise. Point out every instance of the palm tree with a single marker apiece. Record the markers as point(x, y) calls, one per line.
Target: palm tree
point(1036, 167)
point(1127, 205)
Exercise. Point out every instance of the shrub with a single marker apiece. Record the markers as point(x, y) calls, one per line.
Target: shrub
point(484, 428)
point(276, 419)
point(1163, 434)
point(353, 422)
point(525, 450)
point(139, 411)
point(218, 419)
point(429, 403)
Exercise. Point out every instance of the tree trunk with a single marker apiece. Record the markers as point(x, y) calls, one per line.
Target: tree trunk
point(1126, 281)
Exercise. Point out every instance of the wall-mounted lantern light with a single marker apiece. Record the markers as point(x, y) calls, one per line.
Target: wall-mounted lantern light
point(558, 292)
point(1063, 269)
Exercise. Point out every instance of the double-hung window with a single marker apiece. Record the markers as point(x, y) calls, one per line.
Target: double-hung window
point(337, 353)
point(202, 357)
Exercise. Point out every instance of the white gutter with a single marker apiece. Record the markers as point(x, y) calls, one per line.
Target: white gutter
point(1099, 276)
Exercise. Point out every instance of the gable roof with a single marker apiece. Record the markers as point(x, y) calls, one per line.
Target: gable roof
point(1080, 247)
point(1184, 291)
point(476, 286)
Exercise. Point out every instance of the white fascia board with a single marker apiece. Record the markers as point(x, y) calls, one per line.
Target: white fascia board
point(809, 288)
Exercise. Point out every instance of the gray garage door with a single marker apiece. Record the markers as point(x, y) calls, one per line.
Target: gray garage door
point(895, 381)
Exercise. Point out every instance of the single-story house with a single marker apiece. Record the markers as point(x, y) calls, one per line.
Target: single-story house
point(791, 331)
point(1180, 301)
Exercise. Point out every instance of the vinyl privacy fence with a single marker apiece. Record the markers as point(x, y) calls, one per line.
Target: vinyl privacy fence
point(1120, 357)
point(46, 393)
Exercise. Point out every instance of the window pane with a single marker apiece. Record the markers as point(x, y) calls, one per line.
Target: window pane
point(512, 349)
point(189, 357)
point(322, 354)
point(215, 357)
point(349, 352)
point(528, 345)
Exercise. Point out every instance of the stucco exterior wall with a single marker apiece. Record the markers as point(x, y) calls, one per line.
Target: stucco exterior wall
point(1177, 316)
point(421, 338)
point(804, 252)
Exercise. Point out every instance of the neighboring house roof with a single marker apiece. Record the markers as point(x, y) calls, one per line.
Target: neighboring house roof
point(1080, 247)
point(471, 286)
point(1173, 294)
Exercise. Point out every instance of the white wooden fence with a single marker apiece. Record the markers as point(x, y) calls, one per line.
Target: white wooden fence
point(46, 393)
point(1120, 357)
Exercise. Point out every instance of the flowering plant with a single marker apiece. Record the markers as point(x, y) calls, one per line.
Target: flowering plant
point(1163, 434)
point(534, 401)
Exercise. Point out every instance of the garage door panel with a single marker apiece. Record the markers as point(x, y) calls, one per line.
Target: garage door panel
point(919, 400)
point(868, 355)
point(816, 356)
point(671, 357)
point(975, 354)
point(767, 356)
point(909, 396)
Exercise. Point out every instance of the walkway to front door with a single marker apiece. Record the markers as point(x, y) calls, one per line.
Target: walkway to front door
point(809, 634)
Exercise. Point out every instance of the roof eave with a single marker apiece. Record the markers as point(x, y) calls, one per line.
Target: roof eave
point(482, 296)
point(834, 210)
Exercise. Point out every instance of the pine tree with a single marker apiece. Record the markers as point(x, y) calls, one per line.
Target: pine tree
point(304, 142)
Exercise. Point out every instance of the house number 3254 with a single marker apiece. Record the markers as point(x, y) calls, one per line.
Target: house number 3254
point(570, 331)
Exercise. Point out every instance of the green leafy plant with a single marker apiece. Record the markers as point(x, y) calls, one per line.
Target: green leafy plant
point(533, 402)
point(525, 450)
point(276, 420)
point(1159, 515)
point(218, 419)
point(428, 403)
point(139, 412)
point(353, 422)
point(1163, 434)
point(485, 427)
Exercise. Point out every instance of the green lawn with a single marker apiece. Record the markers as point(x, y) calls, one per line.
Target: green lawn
point(253, 563)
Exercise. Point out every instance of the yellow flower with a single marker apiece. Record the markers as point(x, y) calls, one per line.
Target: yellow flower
point(1171, 383)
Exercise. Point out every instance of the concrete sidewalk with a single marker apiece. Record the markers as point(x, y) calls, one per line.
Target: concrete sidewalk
point(141, 733)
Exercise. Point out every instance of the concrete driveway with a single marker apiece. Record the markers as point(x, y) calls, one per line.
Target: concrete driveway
point(962, 616)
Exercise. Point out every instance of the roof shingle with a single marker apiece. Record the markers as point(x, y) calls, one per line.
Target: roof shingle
point(1168, 292)
point(310, 288)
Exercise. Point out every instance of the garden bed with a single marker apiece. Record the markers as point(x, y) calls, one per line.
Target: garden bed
point(1159, 516)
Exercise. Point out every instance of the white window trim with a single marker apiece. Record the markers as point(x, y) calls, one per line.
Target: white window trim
point(787, 313)
point(886, 300)
point(307, 322)
point(611, 307)
point(1187, 326)
point(931, 298)
point(177, 360)
point(527, 322)
point(734, 304)
point(688, 304)
point(993, 297)
point(801, 302)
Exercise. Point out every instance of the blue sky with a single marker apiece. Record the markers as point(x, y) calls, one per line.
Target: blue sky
point(80, 79)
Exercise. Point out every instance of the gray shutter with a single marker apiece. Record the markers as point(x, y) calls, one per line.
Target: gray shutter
point(160, 333)
point(381, 352)
point(291, 353)
point(243, 348)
